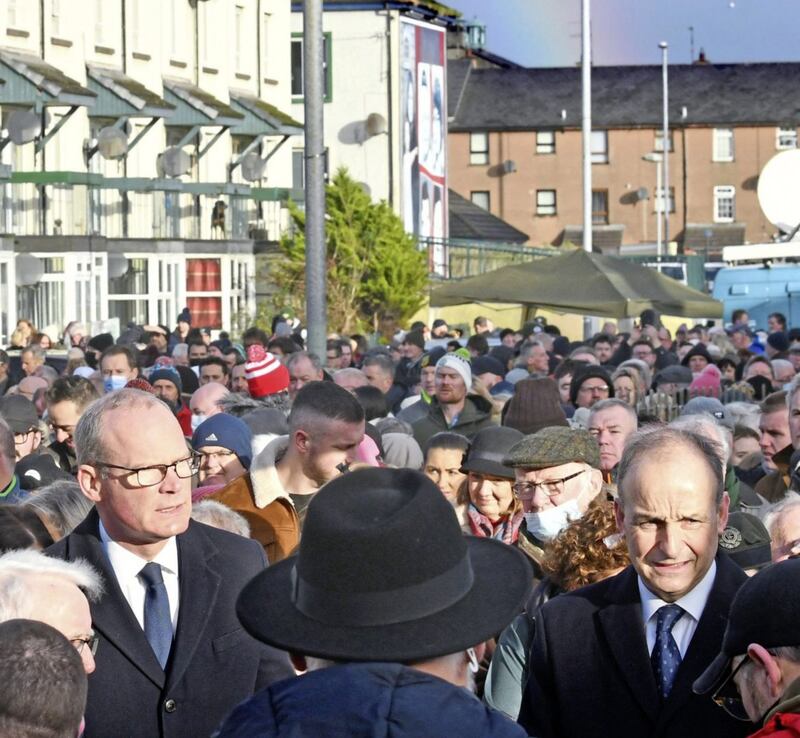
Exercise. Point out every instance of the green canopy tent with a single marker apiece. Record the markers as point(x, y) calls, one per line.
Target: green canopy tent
point(579, 282)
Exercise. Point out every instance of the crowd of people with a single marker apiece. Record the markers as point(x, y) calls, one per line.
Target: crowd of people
point(504, 533)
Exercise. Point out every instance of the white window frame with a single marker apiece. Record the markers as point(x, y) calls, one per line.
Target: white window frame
point(722, 195)
point(546, 203)
point(239, 23)
point(478, 153)
point(785, 138)
point(724, 148)
point(481, 198)
point(545, 142)
point(599, 147)
point(658, 200)
point(55, 17)
point(658, 144)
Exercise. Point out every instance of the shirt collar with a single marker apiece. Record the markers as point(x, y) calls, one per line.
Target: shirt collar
point(127, 564)
point(693, 602)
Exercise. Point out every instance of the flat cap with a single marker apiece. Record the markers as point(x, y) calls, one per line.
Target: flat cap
point(554, 446)
point(674, 374)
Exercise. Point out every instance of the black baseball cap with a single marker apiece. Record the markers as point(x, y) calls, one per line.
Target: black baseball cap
point(766, 610)
point(746, 541)
point(19, 412)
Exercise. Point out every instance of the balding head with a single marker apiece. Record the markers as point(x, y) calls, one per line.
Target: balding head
point(205, 400)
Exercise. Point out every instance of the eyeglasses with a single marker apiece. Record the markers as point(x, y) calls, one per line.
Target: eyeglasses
point(727, 695)
point(82, 641)
point(149, 476)
point(20, 438)
point(601, 389)
point(551, 487)
point(218, 456)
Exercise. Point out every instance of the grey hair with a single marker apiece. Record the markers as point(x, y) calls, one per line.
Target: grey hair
point(298, 355)
point(382, 361)
point(180, 350)
point(793, 387)
point(614, 402)
point(744, 413)
point(653, 441)
point(701, 423)
point(89, 431)
point(62, 504)
point(238, 404)
point(790, 501)
point(35, 350)
point(7, 443)
point(18, 568)
point(352, 372)
point(642, 368)
point(220, 516)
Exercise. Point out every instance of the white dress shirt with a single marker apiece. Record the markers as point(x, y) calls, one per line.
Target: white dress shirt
point(693, 603)
point(127, 565)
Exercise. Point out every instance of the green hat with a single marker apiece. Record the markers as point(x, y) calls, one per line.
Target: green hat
point(746, 541)
point(554, 446)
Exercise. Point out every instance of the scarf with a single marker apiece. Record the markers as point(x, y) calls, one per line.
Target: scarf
point(506, 529)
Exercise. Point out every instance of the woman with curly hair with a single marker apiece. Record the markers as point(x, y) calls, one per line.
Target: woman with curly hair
point(629, 385)
point(587, 550)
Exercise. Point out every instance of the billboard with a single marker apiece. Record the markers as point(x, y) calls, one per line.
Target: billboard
point(423, 111)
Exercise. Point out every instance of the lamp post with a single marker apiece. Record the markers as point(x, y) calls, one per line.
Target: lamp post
point(586, 129)
point(657, 158)
point(665, 138)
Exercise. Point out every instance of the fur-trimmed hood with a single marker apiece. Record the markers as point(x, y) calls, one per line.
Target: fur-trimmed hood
point(264, 477)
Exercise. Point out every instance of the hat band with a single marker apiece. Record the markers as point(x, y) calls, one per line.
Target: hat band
point(383, 608)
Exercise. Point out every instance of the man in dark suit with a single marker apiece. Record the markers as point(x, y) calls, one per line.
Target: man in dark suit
point(173, 659)
point(619, 657)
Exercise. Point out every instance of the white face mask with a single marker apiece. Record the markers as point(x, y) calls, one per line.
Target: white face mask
point(550, 522)
point(196, 420)
point(114, 382)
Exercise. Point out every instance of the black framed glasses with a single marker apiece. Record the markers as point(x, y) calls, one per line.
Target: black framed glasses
point(20, 438)
point(551, 487)
point(727, 695)
point(82, 642)
point(149, 476)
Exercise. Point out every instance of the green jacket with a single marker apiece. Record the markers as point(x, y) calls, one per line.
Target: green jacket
point(476, 415)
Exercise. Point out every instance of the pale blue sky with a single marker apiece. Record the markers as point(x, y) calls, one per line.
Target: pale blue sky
point(547, 32)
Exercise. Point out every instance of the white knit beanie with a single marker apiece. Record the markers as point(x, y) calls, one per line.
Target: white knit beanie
point(459, 364)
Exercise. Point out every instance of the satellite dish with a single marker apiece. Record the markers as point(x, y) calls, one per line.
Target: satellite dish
point(112, 143)
point(174, 162)
point(778, 185)
point(509, 166)
point(29, 269)
point(367, 189)
point(24, 126)
point(253, 167)
point(117, 266)
point(375, 124)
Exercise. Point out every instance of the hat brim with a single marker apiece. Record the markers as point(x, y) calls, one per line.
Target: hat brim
point(488, 467)
point(503, 579)
point(713, 677)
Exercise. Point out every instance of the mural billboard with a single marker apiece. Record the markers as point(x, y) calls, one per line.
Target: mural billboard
point(423, 111)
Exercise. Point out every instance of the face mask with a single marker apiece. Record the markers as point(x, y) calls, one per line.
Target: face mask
point(197, 420)
point(549, 523)
point(114, 382)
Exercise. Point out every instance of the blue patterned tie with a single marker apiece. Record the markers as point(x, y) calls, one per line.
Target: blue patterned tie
point(666, 657)
point(157, 620)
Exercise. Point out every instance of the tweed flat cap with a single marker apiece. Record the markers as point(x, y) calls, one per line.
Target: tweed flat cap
point(554, 446)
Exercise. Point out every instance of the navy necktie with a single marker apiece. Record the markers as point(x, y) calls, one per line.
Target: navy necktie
point(157, 620)
point(666, 657)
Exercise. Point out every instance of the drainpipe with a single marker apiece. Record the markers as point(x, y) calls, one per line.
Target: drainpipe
point(390, 101)
point(43, 114)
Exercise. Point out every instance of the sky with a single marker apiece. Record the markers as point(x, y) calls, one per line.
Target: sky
point(547, 32)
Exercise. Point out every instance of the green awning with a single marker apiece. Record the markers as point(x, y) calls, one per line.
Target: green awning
point(30, 80)
point(67, 178)
point(119, 95)
point(277, 194)
point(262, 118)
point(196, 107)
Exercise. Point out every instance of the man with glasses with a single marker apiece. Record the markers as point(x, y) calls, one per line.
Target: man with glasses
point(557, 474)
point(756, 676)
point(36, 587)
point(67, 399)
point(173, 659)
point(590, 385)
point(623, 653)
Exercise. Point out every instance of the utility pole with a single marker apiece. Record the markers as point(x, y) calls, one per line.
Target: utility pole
point(316, 251)
point(586, 126)
point(665, 140)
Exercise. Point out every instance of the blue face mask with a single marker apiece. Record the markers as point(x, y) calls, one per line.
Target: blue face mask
point(114, 382)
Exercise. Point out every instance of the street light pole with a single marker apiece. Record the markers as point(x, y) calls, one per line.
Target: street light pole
point(316, 251)
point(586, 127)
point(657, 158)
point(665, 139)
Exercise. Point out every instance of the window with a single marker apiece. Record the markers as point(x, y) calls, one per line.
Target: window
point(658, 200)
point(99, 24)
point(724, 204)
point(480, 198)
point(545, 202)
point(600, 207)
point(55, 17)
point(298, 84)
point(545, 142)
point(478, 148)
point(785, 138)
point(599, 147)
point(723, 144)
point(658, 145)
point(239, 35)
point(12, 14)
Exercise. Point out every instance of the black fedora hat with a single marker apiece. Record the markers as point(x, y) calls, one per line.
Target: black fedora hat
point(488, 449)
point(383, 573)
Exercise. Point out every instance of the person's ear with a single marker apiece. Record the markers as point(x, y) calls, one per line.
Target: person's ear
point(764, 660)
point(90, 482)
point(723, 509)
point(302, 441)
point(619, 515)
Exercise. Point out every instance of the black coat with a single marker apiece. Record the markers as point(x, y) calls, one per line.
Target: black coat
point(590, 672)
point(214, 663)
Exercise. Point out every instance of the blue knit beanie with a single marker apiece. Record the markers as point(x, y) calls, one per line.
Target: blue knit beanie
point(228, 432)
point(168, 373)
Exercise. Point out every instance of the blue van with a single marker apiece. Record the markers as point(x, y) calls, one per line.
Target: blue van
point(760, 290)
